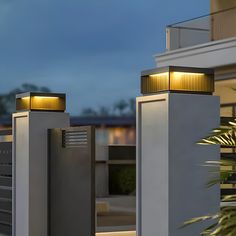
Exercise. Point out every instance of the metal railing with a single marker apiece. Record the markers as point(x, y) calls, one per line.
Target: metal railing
point(212, 27)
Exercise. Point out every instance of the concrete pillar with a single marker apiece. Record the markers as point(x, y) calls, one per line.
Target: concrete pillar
point(30, 149)
point(171, 179)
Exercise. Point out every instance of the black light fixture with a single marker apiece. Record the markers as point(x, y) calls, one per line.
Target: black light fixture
point(35, 101)
point(177, 79)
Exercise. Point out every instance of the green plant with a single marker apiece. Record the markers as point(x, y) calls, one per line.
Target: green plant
point(127, 180)
point(122, 179)
point(222, 223)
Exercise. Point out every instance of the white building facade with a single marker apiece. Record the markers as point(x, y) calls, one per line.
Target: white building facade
point(207, 42)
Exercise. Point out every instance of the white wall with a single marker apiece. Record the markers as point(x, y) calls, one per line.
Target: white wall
point(208, 55)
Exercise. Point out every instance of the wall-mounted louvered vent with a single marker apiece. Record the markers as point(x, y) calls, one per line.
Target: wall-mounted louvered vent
point(72, 138)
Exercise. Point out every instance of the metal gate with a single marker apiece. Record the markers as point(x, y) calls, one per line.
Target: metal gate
point(72, 181)
point(5, 184)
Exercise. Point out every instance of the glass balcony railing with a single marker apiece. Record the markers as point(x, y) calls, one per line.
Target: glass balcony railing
point(212, 27)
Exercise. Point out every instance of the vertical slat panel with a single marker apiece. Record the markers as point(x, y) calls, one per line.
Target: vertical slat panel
point(5, 187)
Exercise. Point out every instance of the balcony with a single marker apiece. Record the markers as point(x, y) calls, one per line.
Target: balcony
point(212, 27)
point(208, 41)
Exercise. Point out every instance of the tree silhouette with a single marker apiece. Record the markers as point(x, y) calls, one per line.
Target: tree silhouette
point(89, 112)
point(120, 106)
point(132, 106)
point(104, 111)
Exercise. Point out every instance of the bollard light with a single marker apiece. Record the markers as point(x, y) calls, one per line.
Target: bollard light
point(176, 107)
point(34, 101)
point(177, 79)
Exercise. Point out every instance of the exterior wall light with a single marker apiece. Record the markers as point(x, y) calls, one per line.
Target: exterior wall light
point(34, 101)
point(177, 79)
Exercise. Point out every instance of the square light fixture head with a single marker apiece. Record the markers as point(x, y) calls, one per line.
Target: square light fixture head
point(177, 79)
point(35, 101)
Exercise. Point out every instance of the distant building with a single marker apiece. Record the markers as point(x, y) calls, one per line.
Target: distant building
point(109, 131)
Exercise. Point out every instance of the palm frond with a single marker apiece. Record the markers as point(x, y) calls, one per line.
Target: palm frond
point(230, 198)
point(224, 135)
point(222, 223)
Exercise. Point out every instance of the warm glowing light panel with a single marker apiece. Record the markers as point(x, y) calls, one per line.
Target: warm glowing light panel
point(40, 102)
point(178, 79)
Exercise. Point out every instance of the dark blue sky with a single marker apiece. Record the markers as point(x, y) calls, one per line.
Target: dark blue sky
point(93, 50)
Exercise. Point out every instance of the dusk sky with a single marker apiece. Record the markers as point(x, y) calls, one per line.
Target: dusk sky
point(93, 50)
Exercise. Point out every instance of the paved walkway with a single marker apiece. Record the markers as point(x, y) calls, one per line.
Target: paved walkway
point(127, 233)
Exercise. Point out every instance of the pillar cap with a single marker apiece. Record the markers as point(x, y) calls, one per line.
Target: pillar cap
point(177, 79)
point(38, 101)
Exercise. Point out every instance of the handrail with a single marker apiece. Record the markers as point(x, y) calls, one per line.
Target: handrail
point(190, 28)
point(200, 17)
point(203, 29)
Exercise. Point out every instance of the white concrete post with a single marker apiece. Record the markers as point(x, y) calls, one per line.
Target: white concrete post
point(171, 179)
point(30, 149)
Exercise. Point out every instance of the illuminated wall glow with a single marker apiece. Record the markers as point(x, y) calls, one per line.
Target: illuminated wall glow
point(40, 102)
point(50, 103)
point(161, 75)
point(175, 73)
point(38, 97)
point(190, 81)
point(178, 79)
point(120, 135)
